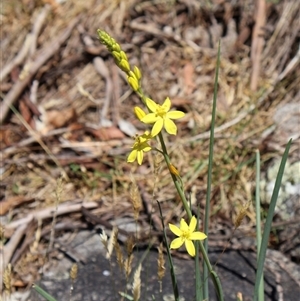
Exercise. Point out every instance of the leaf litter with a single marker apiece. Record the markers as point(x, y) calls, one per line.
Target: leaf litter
point(72, 100)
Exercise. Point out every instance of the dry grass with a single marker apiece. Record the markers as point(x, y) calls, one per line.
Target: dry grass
point(175, 47)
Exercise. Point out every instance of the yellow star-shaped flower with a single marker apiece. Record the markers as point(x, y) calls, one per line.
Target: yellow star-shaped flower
point(161, 116)
point(140, 147)
point(186, 235)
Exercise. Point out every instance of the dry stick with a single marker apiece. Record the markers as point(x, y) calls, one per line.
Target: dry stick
point(29, 44)
point(116, 94)
point(33, 91)
point(68, 226)
point(22, 225)
point(289, 68)
point(41, 142)
point(37, 28)
point(9, 249)
point(48, 213)
point(104, 72)
point(30, 140)
point(152, 29)
point(20, 57)
point(257, 42)
point(221, 128)
point(281, 26)
point(42, 57)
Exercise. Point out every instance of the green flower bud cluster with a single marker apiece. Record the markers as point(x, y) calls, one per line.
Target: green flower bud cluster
point(133, 75)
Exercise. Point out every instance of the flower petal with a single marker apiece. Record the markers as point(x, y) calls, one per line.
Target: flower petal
point(193, 224)
point(175, 114)
point(198, 236)
point(132, 156)
point(140, 156)
point(176, 243)
point(183, 226)
point(158, 125)
point(175, 229)
point(167, 104)
point(152, 106)
point(170, 126)
point(146, 148)
point(150, 118)
point(190, 247)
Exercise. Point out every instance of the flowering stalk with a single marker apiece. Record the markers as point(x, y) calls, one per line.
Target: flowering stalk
point(160, 117)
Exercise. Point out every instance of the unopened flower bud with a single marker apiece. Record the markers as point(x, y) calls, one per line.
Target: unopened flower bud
point(139, 113)
point(124, 66)
point(133, 83)
point(137, 72)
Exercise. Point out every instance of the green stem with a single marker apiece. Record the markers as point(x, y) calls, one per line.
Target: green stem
point(213, 274)
point(179, 188)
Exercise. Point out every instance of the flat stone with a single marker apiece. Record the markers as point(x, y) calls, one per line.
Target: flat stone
point(98, 279)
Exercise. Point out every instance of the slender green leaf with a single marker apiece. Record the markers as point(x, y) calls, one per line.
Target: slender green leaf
point(267, 228)
point(258, 222)
point(43, 293)
point(209, 177)
point(172, 270)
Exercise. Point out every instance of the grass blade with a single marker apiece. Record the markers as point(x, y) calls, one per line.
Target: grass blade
point(209, 175)
point(172, 270)
point(43, 293)
point(258, 222)
point(267, 229)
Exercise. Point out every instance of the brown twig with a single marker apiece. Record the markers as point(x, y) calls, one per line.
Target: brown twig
point(29, 45)
point(41, 142)
point(42, 57)
point(30, 140)
point(257, 42)
point(48, 213)
point(66, 226)
point(10, 247)
point(104, 72)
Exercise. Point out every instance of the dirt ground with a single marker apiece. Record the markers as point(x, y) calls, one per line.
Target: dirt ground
point(67, 116)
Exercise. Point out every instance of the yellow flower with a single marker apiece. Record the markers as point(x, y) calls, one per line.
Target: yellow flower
point(161, 117)
point(186, 235)
point(140, 147)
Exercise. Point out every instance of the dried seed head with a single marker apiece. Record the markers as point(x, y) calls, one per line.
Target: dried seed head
point(128, 266)
point(135, 198)
point(2, 229)
point(110, 244)
point(104, 240)
point(239, 296)
point(119, 253)
point(242, 214)
point(158, 158)
point(7, 278)
point(136, 286)
point(160, 263)
point(74, 271)
point(129, 245)
point(59, 189)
